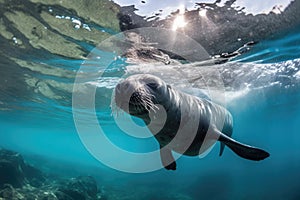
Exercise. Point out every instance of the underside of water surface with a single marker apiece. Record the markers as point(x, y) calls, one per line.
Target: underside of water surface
point(62, 136)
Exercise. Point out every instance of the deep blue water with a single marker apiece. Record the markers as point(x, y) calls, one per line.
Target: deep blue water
point(264, 100)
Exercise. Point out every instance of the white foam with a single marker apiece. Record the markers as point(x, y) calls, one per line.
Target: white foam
point(297, 75)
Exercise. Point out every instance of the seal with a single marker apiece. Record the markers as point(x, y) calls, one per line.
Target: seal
point(180, 122)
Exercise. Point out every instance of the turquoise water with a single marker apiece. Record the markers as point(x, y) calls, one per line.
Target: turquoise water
point(262, 93)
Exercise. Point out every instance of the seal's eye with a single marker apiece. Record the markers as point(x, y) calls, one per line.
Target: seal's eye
point(152, 85)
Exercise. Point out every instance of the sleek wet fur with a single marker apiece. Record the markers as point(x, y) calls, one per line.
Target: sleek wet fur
point(180, 122)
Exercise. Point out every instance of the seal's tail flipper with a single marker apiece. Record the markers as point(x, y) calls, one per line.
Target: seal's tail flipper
point(243, 150)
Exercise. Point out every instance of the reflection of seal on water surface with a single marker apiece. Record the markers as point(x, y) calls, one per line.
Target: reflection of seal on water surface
point(180, 122)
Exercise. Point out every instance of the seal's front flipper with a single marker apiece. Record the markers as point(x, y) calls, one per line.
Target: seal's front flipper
point(167, 159)
point(222, 147)
point(243, 150)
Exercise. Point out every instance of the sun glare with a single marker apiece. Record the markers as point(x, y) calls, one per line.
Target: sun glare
point(181, 9)
point(202, 13)
point(179, 21)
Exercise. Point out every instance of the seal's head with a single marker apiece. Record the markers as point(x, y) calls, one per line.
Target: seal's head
point(138, 94)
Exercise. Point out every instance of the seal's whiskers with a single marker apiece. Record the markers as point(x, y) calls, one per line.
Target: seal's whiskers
point(116, 110)
point(150, 105)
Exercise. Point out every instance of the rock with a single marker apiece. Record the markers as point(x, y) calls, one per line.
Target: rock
point(62, 196)
point(11, 168)
point(56, 26)
point(222, 29)
point(35, 177)
point(21, 181)
point(14, 171)
point(8, 192)
point(81, 188)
